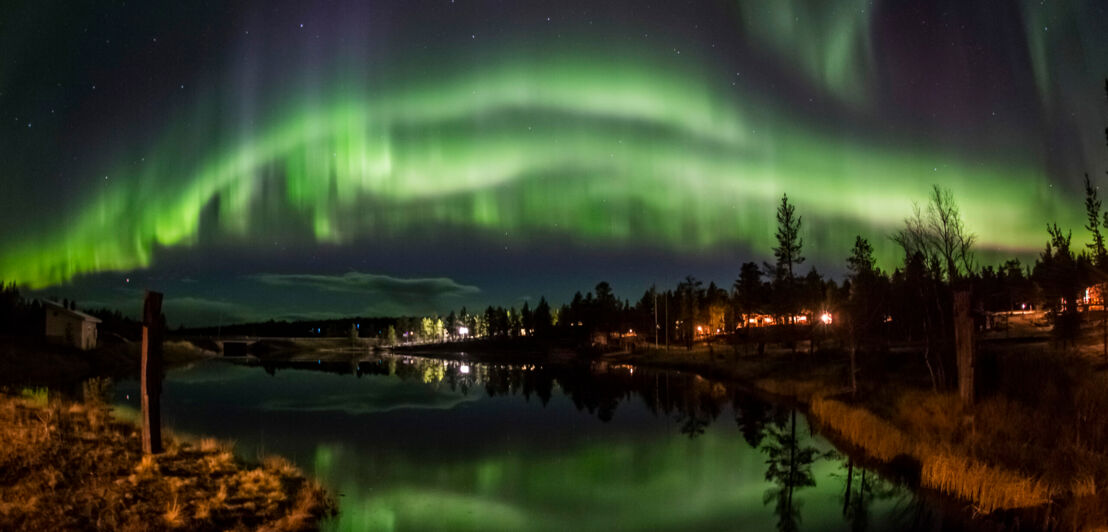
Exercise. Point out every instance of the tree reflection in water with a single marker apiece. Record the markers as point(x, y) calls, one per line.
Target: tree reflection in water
point(789, 468)
point(693, 402)
point(598, 388)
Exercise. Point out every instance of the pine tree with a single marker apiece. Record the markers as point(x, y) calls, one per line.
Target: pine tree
point(789, 242)
point(1092, 210)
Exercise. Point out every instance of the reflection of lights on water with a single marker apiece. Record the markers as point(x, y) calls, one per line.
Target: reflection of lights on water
point(464, 369)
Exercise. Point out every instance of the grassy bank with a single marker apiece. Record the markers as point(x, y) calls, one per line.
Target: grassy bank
point(67, 465)
point(1034, 443)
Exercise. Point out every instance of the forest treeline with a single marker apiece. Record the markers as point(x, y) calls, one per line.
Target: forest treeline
point(869, 304)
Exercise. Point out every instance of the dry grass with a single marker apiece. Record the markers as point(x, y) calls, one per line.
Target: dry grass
point(1038, 433)
point(863, 429)
point(989, 488)
point(1083, 487)
point(174, 518)
point(929, 413)
point(803, 390)
point(71, 466)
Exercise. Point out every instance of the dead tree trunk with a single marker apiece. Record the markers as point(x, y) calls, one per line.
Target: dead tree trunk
point(152, 325)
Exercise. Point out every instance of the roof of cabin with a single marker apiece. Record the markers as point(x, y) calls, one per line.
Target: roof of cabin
point(75, 313)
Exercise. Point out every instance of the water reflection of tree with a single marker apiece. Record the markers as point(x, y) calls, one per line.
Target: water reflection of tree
point(751, 415)
point(789, 468)
point(862, 488)
point(692, 401)
point(856, 499)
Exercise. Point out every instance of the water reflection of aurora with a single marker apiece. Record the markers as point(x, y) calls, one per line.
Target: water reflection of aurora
point(712, 482)
point(418, 444)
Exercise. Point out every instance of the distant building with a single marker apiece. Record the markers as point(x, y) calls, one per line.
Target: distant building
point(1094, 296)
point(70, 327)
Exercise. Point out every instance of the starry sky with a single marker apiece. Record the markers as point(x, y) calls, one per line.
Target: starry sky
point(275, 159)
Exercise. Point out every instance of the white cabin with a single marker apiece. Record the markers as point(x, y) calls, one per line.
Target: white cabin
point(70, 327)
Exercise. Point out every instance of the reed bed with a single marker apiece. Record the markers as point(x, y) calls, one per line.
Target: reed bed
point(987, 487)
point(863, 429)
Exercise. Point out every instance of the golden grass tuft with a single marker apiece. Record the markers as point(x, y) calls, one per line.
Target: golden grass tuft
point(1084, 486)
point(208, 445)
point(147, 466)
point(174, 516)
point(280, 466)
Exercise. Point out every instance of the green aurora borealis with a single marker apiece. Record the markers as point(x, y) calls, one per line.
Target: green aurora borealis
point(604, 152)
point(598, 143)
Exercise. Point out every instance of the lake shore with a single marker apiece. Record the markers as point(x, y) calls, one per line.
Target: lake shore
point(1029, 448)
point(69, 465)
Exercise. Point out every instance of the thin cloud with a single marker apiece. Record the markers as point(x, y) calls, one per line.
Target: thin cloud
point(195, 311)
point(417, 289)
point(383, 295)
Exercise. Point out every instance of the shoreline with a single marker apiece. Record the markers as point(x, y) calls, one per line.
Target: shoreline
point(898, 422)
point(923, 437)
point(74, 465)
point(72, 461)
point(949, 456)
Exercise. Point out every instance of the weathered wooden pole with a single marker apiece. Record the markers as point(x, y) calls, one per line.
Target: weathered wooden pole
point(152, 324)
point(963, 345)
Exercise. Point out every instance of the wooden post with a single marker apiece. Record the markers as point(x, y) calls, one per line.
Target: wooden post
point(152, 324)
point(963, 344)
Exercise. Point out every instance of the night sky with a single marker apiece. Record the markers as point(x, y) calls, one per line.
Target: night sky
point(272, 159)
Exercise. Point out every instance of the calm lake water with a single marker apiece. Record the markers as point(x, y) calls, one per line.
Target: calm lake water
point(410, 443)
